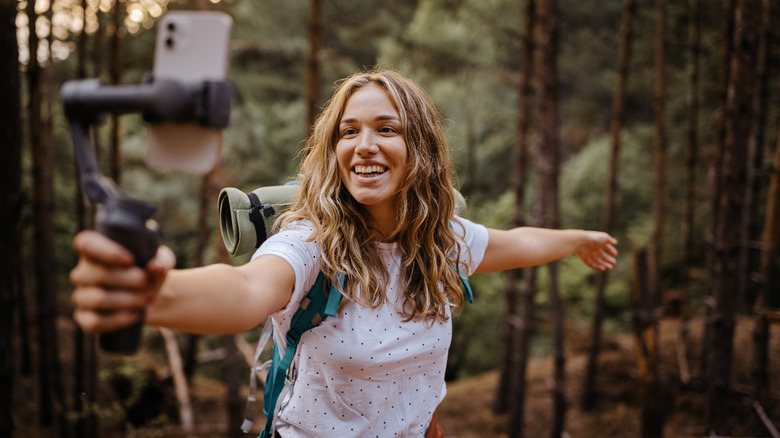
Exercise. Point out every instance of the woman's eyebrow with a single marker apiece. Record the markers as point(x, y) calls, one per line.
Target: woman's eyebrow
point(379, 118)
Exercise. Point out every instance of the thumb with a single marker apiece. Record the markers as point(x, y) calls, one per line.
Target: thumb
point(158, 267)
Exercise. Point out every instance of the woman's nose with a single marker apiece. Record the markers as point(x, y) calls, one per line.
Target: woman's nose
point(366, 144)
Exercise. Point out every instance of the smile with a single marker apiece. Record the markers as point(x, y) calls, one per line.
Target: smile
point(369, 170)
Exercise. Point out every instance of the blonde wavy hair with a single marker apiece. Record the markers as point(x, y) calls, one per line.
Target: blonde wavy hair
point(429, 246)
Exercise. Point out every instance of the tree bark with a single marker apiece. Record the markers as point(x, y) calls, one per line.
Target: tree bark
point(739, 119)
point(43, 242)
point(525, 328)
point(767, 283)
point(715, 169)
point(645, 322)
point(659, 149)
point(10, 206)
point(47, 174)
point(235, 411)
point(549, 169)
point(691, 147)
point(115, 156)
point(84, 354)
point(509, 367)
point(313, 63)
point(755, 147)
point(616, 126)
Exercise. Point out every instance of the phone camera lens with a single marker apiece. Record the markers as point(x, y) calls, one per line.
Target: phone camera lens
point(169, 42)
point(171, 26)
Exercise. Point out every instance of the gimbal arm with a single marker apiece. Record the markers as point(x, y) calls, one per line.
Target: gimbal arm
point(122, 218)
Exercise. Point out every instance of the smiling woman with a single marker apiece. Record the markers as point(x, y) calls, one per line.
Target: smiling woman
point(371, 152)
point(375, 207)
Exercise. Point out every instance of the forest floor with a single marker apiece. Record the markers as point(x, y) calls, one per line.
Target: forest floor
point(467, 410)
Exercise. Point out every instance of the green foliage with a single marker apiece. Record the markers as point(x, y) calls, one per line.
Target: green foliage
point(465, 53)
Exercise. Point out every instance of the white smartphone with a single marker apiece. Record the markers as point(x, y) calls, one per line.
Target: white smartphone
point(190, 46)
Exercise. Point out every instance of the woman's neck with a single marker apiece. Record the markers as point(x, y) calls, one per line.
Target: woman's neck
point(382, 223)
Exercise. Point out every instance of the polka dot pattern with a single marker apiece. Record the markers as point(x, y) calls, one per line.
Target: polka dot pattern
point(364, 372)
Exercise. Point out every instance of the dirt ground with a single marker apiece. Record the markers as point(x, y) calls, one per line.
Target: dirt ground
point(467, 410)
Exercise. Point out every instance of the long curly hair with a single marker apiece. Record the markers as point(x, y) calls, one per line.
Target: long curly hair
point(429, 246)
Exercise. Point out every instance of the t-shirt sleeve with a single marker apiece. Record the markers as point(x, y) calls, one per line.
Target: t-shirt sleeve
point(475, 236)
point(293, 245)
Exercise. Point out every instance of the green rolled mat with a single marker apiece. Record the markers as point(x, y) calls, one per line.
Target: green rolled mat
point(237, 209)
point(236, 212)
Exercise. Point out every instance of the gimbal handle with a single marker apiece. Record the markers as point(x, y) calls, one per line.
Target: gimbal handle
point(124, 219)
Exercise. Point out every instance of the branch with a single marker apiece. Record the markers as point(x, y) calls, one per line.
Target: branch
point(765, 419)
point(179, 381)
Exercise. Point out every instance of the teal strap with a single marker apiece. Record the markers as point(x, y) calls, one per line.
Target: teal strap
point(316, 306)
point(334, 297)
point(463, 279)
point(466, 287)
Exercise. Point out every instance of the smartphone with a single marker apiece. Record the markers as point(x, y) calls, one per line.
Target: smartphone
point(190, 46)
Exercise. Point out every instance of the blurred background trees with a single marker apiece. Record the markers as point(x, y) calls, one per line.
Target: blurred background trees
point(656, 121)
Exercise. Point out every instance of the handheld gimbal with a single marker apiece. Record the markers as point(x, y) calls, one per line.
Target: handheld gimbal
point(124, 219)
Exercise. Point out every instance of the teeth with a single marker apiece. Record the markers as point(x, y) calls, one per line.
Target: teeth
point(369, 169)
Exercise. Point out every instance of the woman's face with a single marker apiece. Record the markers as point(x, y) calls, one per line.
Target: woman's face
point(371, 151)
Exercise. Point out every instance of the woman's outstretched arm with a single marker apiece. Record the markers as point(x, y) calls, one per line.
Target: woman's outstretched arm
point(110, 291)
point(528, 246)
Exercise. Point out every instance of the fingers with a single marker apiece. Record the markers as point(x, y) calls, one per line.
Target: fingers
point(600, 254)
point(88, 273)
point(94, 322)
point(95, 246)
point(109, 290)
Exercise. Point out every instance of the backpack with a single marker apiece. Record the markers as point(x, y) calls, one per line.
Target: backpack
point(246, 221)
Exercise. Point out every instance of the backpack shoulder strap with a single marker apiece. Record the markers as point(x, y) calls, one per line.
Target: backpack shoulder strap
point(322, 301)
point(464, 281)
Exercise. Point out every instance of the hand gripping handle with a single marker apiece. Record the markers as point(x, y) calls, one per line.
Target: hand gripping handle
point(127, 221)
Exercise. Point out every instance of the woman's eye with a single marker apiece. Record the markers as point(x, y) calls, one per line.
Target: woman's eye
point(388, 130)
point(348, 131)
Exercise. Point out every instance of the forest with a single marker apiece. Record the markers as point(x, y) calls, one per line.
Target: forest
point(655, 121)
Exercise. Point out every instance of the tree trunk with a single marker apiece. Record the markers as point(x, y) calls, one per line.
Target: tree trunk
point(754, 162)
point(525, 328)
point(770, 245)
point(559, 374)
point(47, 174)
point(84, 354)
point(508, 365)
point(739, 119)
point(10, 206)
point(691, 147)
point(115, 157)
point(549, 170)
point(313, 63)
point(691, 159)
point(616, 126)
point(659, 149)
point(716, 183)
point(43, 240)
point(645, 323)
point(234, 408)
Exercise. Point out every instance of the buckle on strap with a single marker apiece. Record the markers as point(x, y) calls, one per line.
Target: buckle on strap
point(256, 214)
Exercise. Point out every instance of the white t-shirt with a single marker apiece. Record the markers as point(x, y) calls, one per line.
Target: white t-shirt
point(364, 372)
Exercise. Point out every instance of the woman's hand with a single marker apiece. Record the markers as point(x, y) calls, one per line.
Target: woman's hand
point(597, 250)
point(109, 290)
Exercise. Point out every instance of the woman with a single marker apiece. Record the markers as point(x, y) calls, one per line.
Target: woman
point(376, 205)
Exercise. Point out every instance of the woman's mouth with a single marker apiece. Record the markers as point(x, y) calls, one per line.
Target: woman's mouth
point(369, 171)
